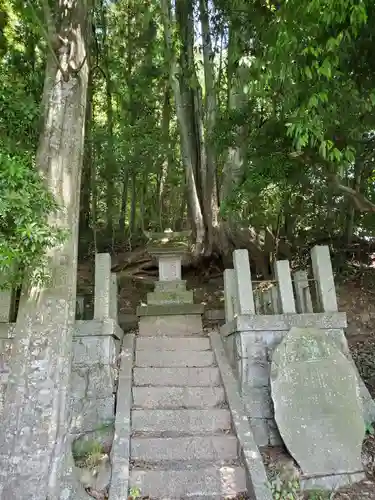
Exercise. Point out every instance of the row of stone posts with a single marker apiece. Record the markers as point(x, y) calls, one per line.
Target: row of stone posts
point(287, 294)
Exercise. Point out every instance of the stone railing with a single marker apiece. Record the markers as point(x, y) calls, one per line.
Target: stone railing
point(287, 293)
point(96, 345)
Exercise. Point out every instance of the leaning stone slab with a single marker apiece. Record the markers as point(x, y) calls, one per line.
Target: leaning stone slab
point(317, 404)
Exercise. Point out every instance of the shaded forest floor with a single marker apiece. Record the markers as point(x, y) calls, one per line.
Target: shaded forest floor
point(356, 296)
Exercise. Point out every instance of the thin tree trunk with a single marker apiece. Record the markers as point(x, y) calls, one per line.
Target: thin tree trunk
point(84, 214)
point(210, 194)
point(34, 431)
point(166, 141)
point(124, 200)
point(187, 153)
point(133, 212)
point(110, 154)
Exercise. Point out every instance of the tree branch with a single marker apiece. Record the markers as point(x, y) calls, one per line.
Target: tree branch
point(362, 203)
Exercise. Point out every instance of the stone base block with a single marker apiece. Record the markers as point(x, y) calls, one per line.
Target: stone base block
point(88, 414)
point(170, 310)
point(172, 297)
point(265, 432)
point(170, 286)
point(94, 381)
point(257, 401)
point(88, 350)
point(176, 325)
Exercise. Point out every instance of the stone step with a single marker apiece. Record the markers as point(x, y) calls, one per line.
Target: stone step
point(178, 325)
point(212, 448)
point(174, 358)
point(178, 397)
point(171, 297)
point(220, 482)
point(186, 422)
point(203, 376)
point(173, 344)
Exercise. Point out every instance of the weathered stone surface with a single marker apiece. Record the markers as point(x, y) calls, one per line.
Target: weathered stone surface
point(211, 448)
point(170, 286)
point(121, 447)
point(88, 350)
point(5, 303)
point(174, 358)
point(176, 325)
point(218, 482)
point(178, 397)
point(183, 421)
point(172, 344)
point(166, 298)
point(89, 413)
point(171, 310)
point(317, 405)
point(177, 376)
point(94, 381)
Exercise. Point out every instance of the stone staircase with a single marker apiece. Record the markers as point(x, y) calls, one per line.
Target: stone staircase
point(182, 444)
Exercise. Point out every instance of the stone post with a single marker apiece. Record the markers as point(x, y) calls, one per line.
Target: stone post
point(5, 305)
point(302, 290)
point(113, 298)
point(102, 286)
point(284, 279)
point(275, 300)
point(323, 275)
point(229, 294)
point(244, 289)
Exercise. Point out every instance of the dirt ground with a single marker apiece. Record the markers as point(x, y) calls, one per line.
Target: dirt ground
point(356, 296)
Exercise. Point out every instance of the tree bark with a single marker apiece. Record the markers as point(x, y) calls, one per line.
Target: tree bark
point(186, 145)
point(84, 215)
point(34, 431)
point(210, 192)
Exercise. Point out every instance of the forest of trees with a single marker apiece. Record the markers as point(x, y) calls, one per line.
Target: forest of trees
point(251, 122)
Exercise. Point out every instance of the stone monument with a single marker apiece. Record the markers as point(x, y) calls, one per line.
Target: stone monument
point(318, 408)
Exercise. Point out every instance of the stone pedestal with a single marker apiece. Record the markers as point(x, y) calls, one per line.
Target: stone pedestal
point(170, 289)
point(95, 349)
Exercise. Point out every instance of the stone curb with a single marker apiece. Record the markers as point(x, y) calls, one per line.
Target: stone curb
point(256, 472)
point(120, 453)
point(282, 322)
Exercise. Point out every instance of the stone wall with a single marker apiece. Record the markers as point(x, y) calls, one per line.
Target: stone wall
point(96, 347)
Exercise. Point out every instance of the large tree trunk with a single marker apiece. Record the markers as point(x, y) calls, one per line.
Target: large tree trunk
point(34, 430)
point(211, 206)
